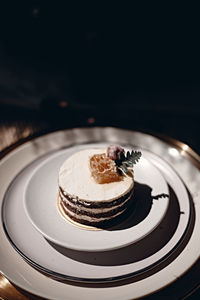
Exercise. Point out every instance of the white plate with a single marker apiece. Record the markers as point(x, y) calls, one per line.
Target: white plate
point(98, 266)
point(24, 276)
point(40, 199)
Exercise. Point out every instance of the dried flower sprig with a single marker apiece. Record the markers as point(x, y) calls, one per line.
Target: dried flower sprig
point(124, 162)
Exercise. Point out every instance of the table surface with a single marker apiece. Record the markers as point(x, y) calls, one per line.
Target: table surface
point(14, 130)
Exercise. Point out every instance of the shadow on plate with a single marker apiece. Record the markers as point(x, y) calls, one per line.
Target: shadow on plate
point(141, 249)
point(139, 209)
point(138, 251)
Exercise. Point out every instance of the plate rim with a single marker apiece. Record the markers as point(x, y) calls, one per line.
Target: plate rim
point(186, 150)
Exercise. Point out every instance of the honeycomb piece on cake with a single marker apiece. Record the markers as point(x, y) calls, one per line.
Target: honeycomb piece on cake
point(104, 169)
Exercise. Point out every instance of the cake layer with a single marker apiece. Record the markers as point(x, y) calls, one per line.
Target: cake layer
point(93, 212)
point(98, 222)
point(76, 181)
point(90, 218)
point(96, 204)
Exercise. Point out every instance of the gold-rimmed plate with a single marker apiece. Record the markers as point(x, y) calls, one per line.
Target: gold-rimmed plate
point(37, 283)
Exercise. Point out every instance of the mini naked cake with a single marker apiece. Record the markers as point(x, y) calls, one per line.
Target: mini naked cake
point(96, 185)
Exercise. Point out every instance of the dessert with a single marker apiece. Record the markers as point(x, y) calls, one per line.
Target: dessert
point(96, 185)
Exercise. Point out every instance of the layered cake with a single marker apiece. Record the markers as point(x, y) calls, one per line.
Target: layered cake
point(96, 185)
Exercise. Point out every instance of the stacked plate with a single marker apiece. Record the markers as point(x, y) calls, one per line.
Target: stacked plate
point(132, 259)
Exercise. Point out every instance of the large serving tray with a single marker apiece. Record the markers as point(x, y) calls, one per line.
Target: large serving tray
point(183, 160)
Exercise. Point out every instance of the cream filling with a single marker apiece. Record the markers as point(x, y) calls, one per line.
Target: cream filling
point(91, 219)
point(94, 210)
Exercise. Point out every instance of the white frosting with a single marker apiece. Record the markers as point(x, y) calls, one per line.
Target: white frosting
point(75, 178)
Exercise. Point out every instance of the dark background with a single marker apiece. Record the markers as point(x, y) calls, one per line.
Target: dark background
point(132, 65)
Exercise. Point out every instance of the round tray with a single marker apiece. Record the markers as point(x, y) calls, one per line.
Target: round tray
point(186, 255)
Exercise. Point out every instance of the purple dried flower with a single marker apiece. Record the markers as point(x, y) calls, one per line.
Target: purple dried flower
point(114, 152)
